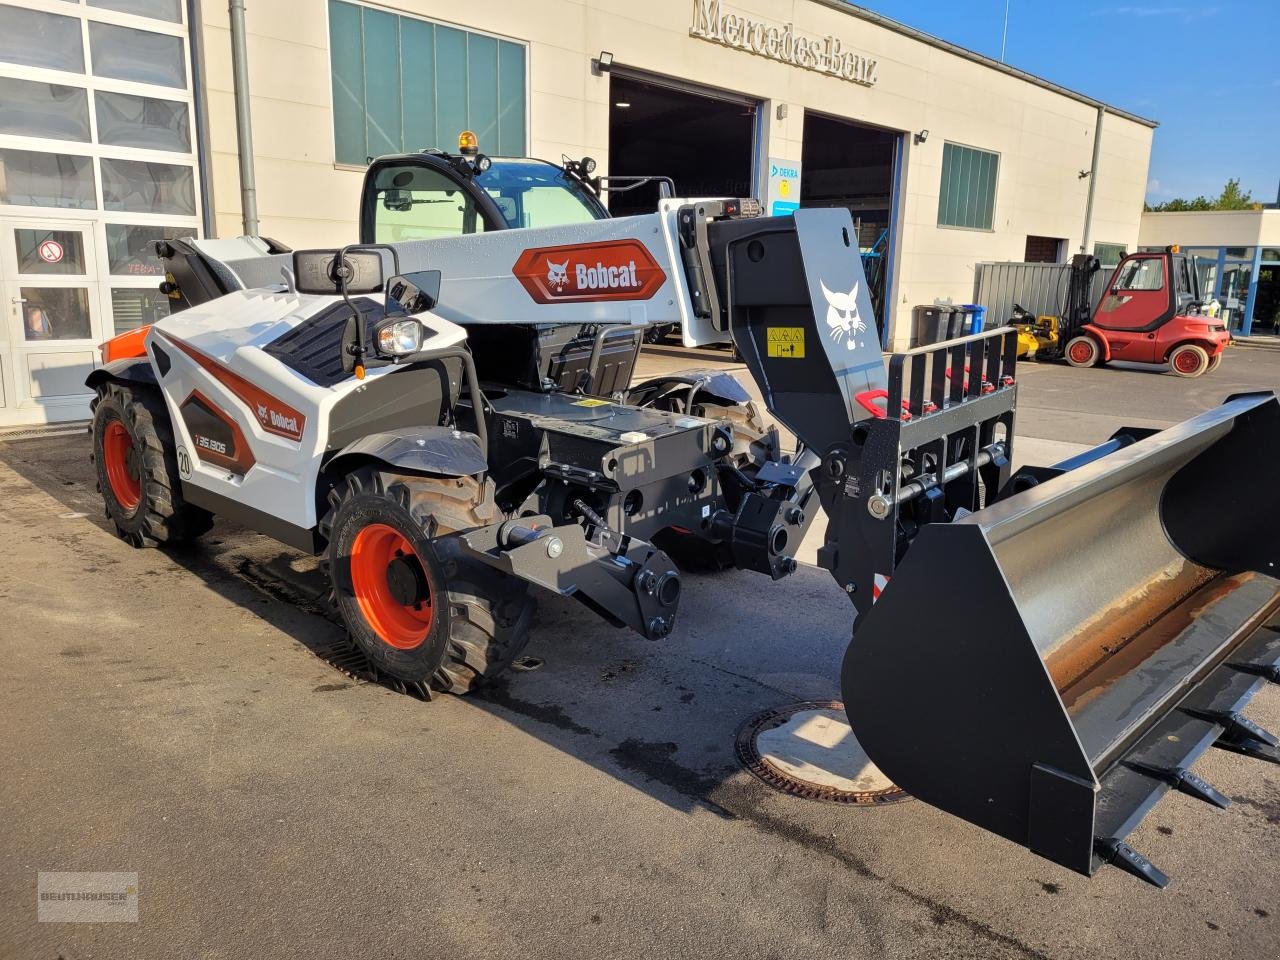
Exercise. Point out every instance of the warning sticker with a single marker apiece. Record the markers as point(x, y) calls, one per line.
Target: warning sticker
point(591, 402)
point(786, 342)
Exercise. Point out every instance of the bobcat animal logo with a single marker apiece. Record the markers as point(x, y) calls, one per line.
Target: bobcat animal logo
point(843, 318)
point(262, 413)
point(558, 275)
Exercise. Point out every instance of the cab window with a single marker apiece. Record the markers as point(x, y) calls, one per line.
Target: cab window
point(418, 203)
point(1142, 273)
point(531, 193)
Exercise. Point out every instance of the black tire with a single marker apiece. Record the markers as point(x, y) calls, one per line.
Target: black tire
point(480, 616)
point(1082, 351)
point(152, 508)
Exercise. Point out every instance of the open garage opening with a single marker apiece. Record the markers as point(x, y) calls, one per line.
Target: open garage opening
point(703, 140)
point(846, 164)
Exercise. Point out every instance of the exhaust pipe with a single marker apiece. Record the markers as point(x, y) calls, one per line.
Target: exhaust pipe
point(1084, 641)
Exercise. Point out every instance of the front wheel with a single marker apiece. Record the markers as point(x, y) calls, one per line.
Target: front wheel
point(1214, 362)
point(418, 607)
point(136, 463)
point(1083, 351)
point(1189, 360)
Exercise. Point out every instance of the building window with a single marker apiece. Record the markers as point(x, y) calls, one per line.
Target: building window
point(128, 121)
point(967, 197)
point(131, 307)
point(38, 39)
point(52, 252)
point(32, 179)
point(1043, 250)
point(123, 53)
point(32, 109)
point(142, 187)
point(401, 84)
point(170, 10)
point(1109, 254)
point(55, 313)
point(131, 248)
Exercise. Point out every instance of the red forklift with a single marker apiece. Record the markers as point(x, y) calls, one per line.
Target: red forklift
point(1151, 312)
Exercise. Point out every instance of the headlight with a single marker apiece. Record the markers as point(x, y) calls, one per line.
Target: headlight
point(400, 338)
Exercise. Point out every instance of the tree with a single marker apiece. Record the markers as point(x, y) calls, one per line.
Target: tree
point(1231, 198)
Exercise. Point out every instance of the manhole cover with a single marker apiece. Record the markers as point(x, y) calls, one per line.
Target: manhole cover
point(807, 749)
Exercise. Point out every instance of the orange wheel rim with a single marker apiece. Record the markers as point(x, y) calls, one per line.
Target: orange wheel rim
point(121, 463)
point(391, 586)
point(1080, 352)
point(1187, 361)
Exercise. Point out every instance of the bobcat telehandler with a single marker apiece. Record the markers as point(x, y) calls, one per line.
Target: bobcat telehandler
point(1043, 654)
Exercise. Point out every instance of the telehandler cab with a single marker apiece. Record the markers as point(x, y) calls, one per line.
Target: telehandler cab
point(1043, 653)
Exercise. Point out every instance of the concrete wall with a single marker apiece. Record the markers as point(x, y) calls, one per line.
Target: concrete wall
point(1214, 228)
point(1044, 138)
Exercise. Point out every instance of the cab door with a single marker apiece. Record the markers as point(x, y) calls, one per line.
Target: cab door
point(1138, 301)
point(52, 319)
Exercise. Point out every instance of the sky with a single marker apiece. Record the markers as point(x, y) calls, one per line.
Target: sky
point(1208, 72)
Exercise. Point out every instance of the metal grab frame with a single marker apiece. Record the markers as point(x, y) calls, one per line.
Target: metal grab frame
point(946, 453)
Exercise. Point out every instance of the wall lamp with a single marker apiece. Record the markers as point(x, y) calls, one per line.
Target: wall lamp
point(922, 136)
point(602, 64)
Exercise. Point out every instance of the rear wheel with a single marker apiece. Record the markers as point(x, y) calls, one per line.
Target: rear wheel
point(1189, 360)
point(1082, 351)
point(136, 463)
point(418, 607)
point(1214, 362)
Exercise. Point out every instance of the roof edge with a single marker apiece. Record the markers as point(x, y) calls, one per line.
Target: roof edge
point(882, 21)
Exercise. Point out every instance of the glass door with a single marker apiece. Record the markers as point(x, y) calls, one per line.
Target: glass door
point(53, 317)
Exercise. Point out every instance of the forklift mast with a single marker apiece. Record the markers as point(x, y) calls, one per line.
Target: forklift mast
point(1079, 306)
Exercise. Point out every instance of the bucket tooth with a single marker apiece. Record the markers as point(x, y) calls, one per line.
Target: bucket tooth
point(1241, 735)
point(1180, 778)
point(1268, 671)
point(1249, 747)
point(1120, 854)
point(1236, 726)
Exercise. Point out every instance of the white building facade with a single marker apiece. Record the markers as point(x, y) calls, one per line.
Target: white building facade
point(117, 127)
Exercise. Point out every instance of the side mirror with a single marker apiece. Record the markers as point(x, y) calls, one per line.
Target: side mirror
point(319, 272)
point(415, 293)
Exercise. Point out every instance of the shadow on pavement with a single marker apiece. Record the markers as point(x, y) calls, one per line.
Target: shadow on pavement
point(660, 716)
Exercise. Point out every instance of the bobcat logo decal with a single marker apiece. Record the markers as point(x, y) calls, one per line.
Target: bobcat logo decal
point(557, 275)
point(843, 318)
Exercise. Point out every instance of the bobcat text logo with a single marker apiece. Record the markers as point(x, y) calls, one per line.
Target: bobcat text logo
point(601, 277)
point(273, 418)
point(281, 422)
point(590, 272)
point(557, 275)
point(843, 318)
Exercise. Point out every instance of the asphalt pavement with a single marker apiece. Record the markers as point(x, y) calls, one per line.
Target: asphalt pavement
point(166, 713)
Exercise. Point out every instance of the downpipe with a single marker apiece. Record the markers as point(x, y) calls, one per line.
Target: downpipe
point(244, 124)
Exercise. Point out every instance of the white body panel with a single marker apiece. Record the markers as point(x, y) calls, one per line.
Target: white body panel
point(231, 331)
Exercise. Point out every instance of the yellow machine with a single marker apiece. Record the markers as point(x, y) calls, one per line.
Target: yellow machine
point(1038, 336)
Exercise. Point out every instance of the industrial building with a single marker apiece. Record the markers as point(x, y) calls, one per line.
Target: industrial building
point(118, 126)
